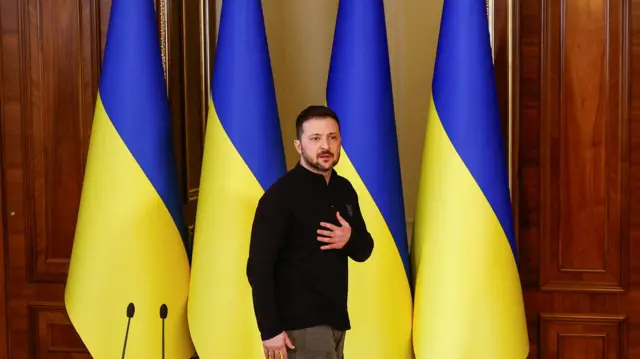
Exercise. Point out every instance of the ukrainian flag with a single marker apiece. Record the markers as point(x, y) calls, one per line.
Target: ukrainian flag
point(359, 91)
point(128, 245)
point(243, 156)
point(468, 299)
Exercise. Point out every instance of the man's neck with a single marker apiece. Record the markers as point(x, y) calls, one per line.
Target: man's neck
point(325, 174)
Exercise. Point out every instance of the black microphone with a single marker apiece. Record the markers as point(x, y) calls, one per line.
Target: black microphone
point(131, 310)
point(163, 315)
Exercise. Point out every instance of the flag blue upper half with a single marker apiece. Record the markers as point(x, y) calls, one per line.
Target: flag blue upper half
point(243, 91)
point(133, 92)
point(465, 97)
point(359, 91)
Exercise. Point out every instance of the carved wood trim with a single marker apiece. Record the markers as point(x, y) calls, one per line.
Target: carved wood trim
point(504, 34)
point(4, 268)
point(164, 30)
point(583, 318)
point(513, 103)
point(4, 323)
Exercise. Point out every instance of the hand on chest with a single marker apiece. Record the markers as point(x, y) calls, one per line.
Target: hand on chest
point(311, 211)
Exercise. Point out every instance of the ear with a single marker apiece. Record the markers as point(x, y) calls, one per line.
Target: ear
point(298, 146)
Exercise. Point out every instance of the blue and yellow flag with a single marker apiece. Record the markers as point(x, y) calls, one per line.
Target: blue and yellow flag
point(468, 299)
point(243, 156)
point(128, 246)
point(359, 91)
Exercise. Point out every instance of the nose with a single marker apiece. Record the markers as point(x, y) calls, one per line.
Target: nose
point(324, 144)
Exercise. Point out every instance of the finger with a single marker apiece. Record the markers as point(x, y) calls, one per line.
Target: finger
point(329, 225)
point(331, 246)
point(266, 353)
point(342, 221)
point(325, 233)
point(288, 342)
point(327, 240)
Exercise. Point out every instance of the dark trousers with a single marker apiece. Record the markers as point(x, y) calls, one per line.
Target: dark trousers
point(321, 342)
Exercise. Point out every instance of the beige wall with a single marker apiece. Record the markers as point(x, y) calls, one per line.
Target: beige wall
point(300, 35)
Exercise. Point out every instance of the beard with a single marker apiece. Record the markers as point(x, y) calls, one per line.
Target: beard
point(317, 164)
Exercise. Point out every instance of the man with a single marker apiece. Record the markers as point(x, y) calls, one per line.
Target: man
point(306, 226)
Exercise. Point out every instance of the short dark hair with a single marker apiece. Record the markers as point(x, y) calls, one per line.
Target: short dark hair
point(314, 111)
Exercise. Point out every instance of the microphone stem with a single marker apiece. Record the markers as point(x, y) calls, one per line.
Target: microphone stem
point(126, 337)
point(162, 338)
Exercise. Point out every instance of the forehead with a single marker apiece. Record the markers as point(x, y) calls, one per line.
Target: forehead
point(320, 125)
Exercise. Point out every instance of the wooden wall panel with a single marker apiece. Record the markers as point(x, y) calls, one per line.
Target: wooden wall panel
point(51, 334)
point(584, 149)
point(50, 60)
point(60, 77)
point(582, 336)
point(577, 175)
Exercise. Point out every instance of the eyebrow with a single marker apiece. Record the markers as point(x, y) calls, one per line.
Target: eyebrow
point(319, 134)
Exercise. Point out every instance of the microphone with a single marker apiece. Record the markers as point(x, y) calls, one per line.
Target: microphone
point(131, 310)
point(163, 315)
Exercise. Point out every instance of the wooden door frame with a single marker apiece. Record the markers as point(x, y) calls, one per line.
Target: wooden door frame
point(4, 269)
point(4, 323)
point(506, 46)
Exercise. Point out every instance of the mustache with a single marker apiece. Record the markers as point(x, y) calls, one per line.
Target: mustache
point(325, 153)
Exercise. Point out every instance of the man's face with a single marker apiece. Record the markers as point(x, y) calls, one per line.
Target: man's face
point(319, 145)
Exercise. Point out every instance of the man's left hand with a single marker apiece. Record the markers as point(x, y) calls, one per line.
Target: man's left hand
point(336, 236)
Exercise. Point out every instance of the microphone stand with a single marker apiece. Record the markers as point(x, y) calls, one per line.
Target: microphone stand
point(164, 311)
point(131, 310)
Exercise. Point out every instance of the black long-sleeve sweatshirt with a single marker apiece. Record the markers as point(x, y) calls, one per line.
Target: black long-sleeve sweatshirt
point(295, 284)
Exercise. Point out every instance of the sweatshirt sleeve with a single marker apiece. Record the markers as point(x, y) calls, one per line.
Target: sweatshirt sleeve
point(268, 234)
point(360, 245)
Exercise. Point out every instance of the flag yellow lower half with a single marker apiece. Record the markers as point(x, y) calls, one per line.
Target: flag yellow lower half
point(127, 249)
point(221, 316)
point(379, 303)
point(468, 301)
